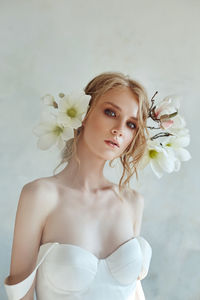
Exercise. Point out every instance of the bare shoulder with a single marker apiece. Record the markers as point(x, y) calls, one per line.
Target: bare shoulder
point(134, 198)
point(41, 188)
point(36, 200)
point(37, 197)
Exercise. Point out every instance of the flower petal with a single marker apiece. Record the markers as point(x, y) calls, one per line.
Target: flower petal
point(64, 119)
point(48, 99)
point(75, 122)
point(42, 129)
point(166, 124)
point(65, 103)
point(47, 116)
point(46, 141)
point(68, 133)
point(168, 105)
point(61, 143)
point(166, 162)
point(183, 154)
point(182, 141)
point(156, 168)
point(179, 122)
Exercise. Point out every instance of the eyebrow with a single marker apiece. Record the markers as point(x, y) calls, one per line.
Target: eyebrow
point(119, 108)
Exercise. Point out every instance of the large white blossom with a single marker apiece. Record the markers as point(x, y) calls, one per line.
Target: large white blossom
point(51, 132)
point(176, 145)
point(166, 156)
point(72, 109)
point(58, 120)
point(159, 158)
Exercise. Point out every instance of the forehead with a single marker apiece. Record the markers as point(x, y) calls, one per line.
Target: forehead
point(119, 94)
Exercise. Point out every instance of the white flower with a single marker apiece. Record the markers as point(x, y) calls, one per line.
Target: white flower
point(50, 132)
point(169, 105)
point(168, 154)
point(48, 100)
point(160, 160)
point(71, 109)
point(176, 145)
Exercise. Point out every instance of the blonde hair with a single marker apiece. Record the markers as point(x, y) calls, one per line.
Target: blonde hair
point(132, 155)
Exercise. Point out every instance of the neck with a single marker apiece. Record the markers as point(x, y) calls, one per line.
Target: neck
point(88, 178)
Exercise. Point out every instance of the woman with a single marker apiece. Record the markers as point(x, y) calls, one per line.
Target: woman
point(77, 235)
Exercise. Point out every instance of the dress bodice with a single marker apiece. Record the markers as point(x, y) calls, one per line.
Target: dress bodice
point(69, 272)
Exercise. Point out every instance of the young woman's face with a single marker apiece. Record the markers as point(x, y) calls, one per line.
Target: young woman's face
point(107, 122)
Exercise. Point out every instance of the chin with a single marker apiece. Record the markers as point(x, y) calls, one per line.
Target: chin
point(110, 157)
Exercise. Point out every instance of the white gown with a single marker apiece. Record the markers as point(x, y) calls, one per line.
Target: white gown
point(69, 272)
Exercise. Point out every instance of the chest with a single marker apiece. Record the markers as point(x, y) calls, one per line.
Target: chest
point(98, 224)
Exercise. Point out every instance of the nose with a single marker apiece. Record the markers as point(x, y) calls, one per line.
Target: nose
point(116, 131)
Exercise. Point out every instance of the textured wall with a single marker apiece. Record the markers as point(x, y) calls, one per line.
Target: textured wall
point(52, 46)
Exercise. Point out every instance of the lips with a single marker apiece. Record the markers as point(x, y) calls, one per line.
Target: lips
point(114, 142)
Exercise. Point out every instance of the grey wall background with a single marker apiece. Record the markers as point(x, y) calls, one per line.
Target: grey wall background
point(52, 46)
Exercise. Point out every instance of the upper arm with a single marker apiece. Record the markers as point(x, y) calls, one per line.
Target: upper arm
point(30, 219)
point(137, 202)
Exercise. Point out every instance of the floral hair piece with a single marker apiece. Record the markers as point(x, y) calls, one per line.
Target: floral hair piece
point(59, 119)
point(166, 155)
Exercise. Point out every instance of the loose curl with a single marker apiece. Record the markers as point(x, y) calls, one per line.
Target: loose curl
point(132, 155)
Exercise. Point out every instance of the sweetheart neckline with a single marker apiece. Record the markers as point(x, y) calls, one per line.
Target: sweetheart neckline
point(83, 249)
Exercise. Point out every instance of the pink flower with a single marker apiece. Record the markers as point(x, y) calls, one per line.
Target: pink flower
point(166, 110)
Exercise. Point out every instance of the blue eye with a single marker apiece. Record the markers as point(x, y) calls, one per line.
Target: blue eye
point(107, 112)
point(134, 125)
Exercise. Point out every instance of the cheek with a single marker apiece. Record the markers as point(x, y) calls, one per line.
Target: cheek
point(96, 125)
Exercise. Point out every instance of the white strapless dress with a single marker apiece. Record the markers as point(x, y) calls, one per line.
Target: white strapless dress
point(69, 272)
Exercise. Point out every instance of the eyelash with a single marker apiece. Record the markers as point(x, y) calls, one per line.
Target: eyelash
point(107, 109)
